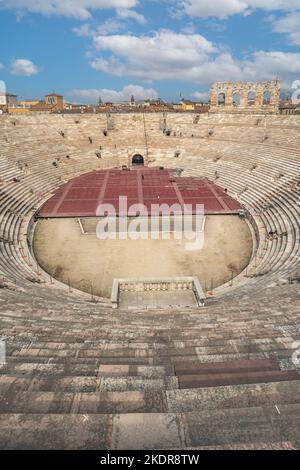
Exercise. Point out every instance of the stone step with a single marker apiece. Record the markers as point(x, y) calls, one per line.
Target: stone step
point(214, 346)
point(128, 353)
point(87, 395)
point(241, 427)
point(215, 380)
point(54, 370)
point(11, 385)
point(253, 336)
point(73, 361)
point(122, 384)
point(155, 359)
point(59, 402)
point(122, 345)
point(106, 344)
point(197, 368)
point(233, 396)
point(244, 426)
point(282, 445)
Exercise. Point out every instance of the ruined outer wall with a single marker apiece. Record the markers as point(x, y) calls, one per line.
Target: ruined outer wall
point(258, 107)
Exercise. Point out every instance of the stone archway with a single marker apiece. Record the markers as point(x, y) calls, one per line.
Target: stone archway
point(137, 160)
point(221, 99)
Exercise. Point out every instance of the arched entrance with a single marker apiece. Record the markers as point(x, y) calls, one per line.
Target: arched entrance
point(221, 99)
point(267, 97)
point(236, 99)
point(137, 160)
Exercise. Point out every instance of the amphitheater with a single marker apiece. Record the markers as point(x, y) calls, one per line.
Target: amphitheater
point(82, 375)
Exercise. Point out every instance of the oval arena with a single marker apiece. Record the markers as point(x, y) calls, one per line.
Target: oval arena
point(159, 367)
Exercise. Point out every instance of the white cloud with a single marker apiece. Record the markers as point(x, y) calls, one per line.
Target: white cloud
point(164, 55)
point(109, 26)
point(290, 25)
point(225, 8)
point(268, 64)
point(23, 67)
point(167, 55)
point(201, 95)
point(84, 30)
point(80, 9)
point(125, 13)
point(114, 96)
point(217, 8)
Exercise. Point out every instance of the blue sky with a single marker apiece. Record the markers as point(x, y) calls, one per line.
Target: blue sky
point(114, 48)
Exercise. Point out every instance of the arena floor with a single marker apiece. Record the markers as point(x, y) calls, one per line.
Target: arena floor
point(84, 260)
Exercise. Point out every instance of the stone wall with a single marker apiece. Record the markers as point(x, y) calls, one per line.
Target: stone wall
point(241, 97)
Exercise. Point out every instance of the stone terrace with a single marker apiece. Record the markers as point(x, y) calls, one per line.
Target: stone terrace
point(81, 375)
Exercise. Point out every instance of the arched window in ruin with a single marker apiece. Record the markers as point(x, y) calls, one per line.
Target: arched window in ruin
point(251, 98)
point(137, 160)
point(236, 99)
point(267, 97)
point(221, 99)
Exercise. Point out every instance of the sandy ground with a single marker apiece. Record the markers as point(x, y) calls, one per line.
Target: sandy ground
point(84, 260)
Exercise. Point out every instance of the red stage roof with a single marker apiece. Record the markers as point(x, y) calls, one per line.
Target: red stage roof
point(81, 196)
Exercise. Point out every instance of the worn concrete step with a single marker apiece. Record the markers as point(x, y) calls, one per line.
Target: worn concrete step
point(81, 353)
point(257, 331)
point(122, 384)
point(244, 425)
point(210, 358)
point(241, 427)
point(251, 336)
point(145, 358)
point(197, 368)
point(53, 370)
point(234, 396)
point(82, 360)
point(150, 349)
point(59, 402)
point(130, 353)
point(88, 397)
point(281, 445)
point(257, 338)
point(236, 378)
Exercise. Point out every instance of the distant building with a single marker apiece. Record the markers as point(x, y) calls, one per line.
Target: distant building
point(177, 106)
point(28, 103)
point(187, 105)
point(52, 103)
point(72, 106)
point(156, 104)
point(55, 100)
point(288, 107)
point(202, 107)
point(42, 107)
point(8, 100)
point(105, 107)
